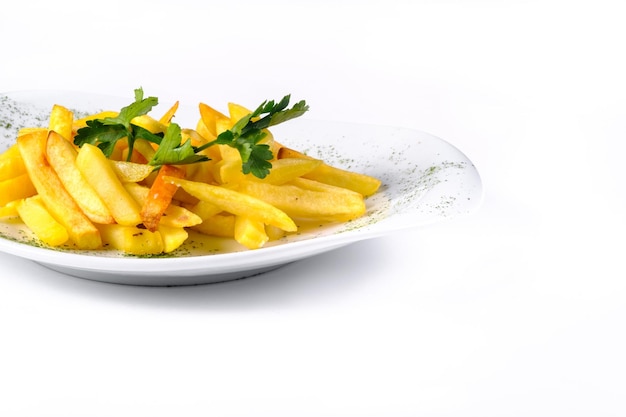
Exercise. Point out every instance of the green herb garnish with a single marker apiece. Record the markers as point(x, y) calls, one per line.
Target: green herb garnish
point(244, 136)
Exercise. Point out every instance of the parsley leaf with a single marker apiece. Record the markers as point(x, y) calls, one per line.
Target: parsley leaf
point(171, 151)
point(244, 136)
point(277, 113)
point(139, 107)
point(101, 135)
point(247, 132)
point(107, 131)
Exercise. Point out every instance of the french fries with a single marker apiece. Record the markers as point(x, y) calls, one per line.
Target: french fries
point(78, 197)
point(363, 184)
point(57, 200)
point(62, 158)
point(95, 167)
point(159, 197)
point(34, 213)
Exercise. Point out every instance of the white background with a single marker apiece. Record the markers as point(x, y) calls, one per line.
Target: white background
point(516, 310)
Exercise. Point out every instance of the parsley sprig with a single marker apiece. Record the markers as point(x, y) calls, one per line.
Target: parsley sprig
point(105, 132)
point(244, 136)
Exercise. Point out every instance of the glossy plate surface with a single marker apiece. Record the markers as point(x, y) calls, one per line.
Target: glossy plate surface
point(425, 180)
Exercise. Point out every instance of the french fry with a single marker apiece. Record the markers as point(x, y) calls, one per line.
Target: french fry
point(172, 237)
point(27, 130)
point(95, 167)
point(287, 169)
point(361, 183)
point(173, 216)
point(149, 123)
point(237, 203)
point(237, 111)
point(61, 121)
point(300, 203)
point(57, 200)
point(220, 225)
point(16, 188)
point(10, 209)
point(228, 169)
point(221, 125)
point(62, 157)
point(274, 233)
point(169, 114)
point(193, 135)
point(228, 172)
point(36, 216)
point(11, 163)
point(131, 171)
point(177, 216)
point(209, 117)
point(82, 122)
point(145, 149)
point(159, 196)
point(250, 233)
point(204, 209)
point(131, 239)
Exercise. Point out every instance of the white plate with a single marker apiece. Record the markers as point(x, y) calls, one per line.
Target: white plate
point(425, 180)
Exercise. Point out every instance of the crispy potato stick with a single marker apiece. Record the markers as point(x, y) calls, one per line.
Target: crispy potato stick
point(145, 149)
point(221, 125)
point(228, 169)
point(166, 119)
point(237, 203)
point(287, 169)
point(159, 196)
point(11, 163)
point(96, 168)
point(131, 239)
point(61, 121)
point(54, 195)
point(27, 130)
point(149, 123)
point(204, 209)
point(195, 137)
point(297, 202)
point(361, 183)
point(131, 171)
point(173, 216)
point(249, 232)
point(209, 117)
point(228, 172)
point(82, 122)
point(16, 188)
point(220, 225)
point(10, 209)
point(274, 233)
point(36, 216)
point(62, 157)
point(172, 237)
point(177, 216)
point(237, 111)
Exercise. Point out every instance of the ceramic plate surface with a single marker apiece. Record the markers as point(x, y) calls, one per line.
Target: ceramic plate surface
point(425, 180)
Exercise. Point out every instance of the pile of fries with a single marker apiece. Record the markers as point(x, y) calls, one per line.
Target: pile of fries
point(78, 198)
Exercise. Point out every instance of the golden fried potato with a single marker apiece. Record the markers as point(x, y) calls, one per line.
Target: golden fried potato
point(58, 201)
point(95, 167)
point(36, 216)
point(361, 183)
point(237, 203)
point(62, 157)
point(324, 203)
